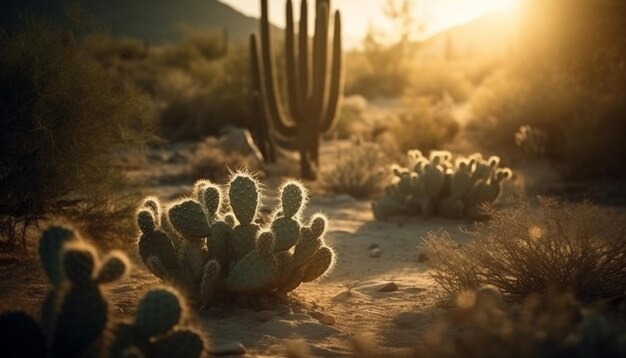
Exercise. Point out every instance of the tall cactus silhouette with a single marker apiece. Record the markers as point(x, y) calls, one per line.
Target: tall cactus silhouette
point(313, 90)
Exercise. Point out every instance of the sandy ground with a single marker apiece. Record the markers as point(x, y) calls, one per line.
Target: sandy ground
point(350, 292)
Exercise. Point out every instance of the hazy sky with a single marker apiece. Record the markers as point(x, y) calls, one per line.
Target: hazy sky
point(357, 14)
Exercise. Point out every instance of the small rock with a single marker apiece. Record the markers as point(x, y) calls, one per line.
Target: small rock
point(328, 319)
point(373, 246)
point(297, 317)
point(422, 257)
point(234, 348)
point(375, 252)
point(316, 314)
point(265, 316)
point(388, 287)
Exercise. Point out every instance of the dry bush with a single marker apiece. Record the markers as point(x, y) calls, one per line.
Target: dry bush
point(575, 247)
point(351, 117)
point(209, 161)
point(482, 326)
point(360, 171)
point(221, 97)
point(551, 325)
point(427, 124)
point(438, 80)
point(62, 118)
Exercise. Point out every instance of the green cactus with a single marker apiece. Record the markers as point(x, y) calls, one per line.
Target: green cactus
point(238, 257)
point(319, 264)
point(244, 198)
point(313, 91)
point(21, 335)
point(188, 218)
point(74, 314)
point(50, 247)
point(155, 332)
point(77, 314)
point(83, 312)
point(436, 186)
point(210, 282)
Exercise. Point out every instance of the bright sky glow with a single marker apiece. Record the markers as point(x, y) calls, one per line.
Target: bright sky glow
point(441, 14)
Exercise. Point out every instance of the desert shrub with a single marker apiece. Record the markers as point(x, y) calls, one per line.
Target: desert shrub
point(375, 85)
point(62, 116)
point(212, 162)
point(360, 171)
point(351, 116)
point(222, 98)
point(426, 124)
point(438, 80)
point(109, 50)
point(481, 325)
point(574, 247)
point(196, 46)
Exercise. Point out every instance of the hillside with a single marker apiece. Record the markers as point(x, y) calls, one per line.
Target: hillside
point(155, 21)
point(491, 34)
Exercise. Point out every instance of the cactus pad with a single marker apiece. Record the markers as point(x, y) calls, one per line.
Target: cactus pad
point(292, 197)
point(319, 264)
point(181, 343)
point(286, 231)
point(244, 198)
point(50, 247)
point(113, 268)
point(78, 264)
point(188, 218)
point(158, 311)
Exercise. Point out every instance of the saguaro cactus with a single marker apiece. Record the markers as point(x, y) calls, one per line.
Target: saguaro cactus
point(313, 92)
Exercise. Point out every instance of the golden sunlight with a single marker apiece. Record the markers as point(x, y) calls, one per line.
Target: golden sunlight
point(438, 15)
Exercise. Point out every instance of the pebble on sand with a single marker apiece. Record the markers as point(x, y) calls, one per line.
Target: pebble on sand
point(328, 319)
point(388, 287)
point(375, 252)
point(234, 348)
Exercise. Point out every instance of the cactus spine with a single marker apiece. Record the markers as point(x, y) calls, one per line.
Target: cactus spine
point(313, 96)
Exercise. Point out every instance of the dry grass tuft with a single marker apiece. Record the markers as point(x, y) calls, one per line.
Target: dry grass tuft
point(576, 247)
point(360, 171)
point(212, 162)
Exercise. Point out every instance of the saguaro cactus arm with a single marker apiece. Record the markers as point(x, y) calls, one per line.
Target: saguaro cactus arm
point(281, 123)
point(328, 121)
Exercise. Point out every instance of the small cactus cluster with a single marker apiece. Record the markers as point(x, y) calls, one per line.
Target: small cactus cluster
point(213, 246)
point(435, 186)
point(75, 315)
point(531, 140)
point(154, 331)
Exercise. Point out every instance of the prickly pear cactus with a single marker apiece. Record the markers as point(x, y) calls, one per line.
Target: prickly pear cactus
point(214, 248)
point(435, 186)
point(75, 313)
point(155, 330)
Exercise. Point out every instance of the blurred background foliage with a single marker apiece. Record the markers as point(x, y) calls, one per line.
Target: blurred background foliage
point(73, 96)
